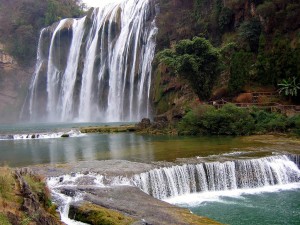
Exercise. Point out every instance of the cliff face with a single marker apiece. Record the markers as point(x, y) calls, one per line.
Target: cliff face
point(258, 41)
point(14, 81)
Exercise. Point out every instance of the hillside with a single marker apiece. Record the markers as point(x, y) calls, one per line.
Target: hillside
point(258, 43)
point(19, 33)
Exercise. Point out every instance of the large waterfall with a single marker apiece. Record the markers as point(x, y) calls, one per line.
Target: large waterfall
point(97, 68)
point(218, 176)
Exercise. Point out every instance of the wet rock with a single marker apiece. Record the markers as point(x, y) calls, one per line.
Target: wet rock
point(65, 135)
point(145, 123)
point(68, 192)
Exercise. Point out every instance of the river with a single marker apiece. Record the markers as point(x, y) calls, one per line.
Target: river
point(32, 144)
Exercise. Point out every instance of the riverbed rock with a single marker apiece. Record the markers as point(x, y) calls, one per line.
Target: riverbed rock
point(134, 203)
point(144, 124)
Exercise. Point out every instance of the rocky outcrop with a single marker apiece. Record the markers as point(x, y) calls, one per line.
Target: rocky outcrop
point(5, 59)
point(32, 204)
point(14, 81)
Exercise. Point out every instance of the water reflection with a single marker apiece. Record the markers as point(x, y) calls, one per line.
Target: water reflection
point(91, 147)
point(127, 146)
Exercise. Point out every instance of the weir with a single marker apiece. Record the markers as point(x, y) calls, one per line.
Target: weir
point(167, 182)
point(96, 68)
point(217, 176)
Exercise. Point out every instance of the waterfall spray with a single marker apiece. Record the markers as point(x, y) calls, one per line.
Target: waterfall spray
point(98, 68)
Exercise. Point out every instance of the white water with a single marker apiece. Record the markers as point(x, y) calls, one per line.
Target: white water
point(190, 185)
point(195, 199)
point(232, 175)
point(97, 68)
point(31, 136)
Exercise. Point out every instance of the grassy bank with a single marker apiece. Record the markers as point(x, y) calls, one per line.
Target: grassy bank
point(232, 120)
point(25, 199)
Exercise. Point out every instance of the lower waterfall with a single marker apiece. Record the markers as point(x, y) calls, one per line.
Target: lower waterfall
point(166, 182)
point(217, 176)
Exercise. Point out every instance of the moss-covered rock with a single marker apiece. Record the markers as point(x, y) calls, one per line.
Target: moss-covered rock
point(97, 215)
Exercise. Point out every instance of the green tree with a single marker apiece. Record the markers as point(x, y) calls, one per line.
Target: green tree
point(241, 63)
point(250, 32)
point(51, 13)
point(289, 87)
point(195, 60)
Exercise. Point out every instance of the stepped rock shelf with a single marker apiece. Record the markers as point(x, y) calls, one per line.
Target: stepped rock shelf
point(136, 189)
point(109, 195)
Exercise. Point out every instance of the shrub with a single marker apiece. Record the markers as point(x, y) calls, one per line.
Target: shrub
point(269, 121)
point(250, 31)
point(294, 124)
point(240, 68)
point(195, 60)
point(229, 120)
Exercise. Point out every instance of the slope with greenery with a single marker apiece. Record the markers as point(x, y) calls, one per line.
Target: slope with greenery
point(19, 30)
point(232, 120)
point(258, 41)
point(25, 199)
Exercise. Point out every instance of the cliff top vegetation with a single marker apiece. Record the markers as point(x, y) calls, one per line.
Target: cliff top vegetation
point(22, 20)
point(258, 42)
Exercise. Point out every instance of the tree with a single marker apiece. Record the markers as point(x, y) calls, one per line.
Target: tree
point(195, 60)
point(240, 68)
point(289, 87)
point(250, 32)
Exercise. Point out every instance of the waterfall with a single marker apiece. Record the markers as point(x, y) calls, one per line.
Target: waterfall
point(216, 176)
point(96, 68)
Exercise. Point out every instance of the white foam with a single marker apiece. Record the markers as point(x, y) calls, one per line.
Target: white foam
point(196, 199)
point(47, 135)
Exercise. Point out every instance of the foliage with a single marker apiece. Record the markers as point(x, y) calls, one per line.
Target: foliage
point(20, 29)
point(267, 9)
point(269, 121)
point(294, 123)
point(225, 19)
point(250, 32)
point(229, 120)
point(240, 67)
point(289, 87)
point(277, 63)
point(6, 183)
point(232, 120)
point(4, 220)
point(195, 60)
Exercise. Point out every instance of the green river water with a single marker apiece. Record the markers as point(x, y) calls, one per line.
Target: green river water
point(280, 206)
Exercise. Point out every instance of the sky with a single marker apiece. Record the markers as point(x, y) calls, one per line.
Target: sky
point(97, 3)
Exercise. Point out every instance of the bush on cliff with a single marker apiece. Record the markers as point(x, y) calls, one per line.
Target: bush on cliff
point(20, 29)
point(195, 60)
point(229, 120)
point(232, 120)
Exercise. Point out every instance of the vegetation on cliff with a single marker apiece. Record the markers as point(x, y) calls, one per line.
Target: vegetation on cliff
point(232, 120)
point(258, 41)
point(19, 30)
point(195, 60)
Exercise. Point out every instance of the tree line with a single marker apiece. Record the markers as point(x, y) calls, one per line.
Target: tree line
point(22, 20)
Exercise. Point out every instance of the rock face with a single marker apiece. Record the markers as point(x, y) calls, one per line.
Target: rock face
point(31, 203)
point(5, 59)
point(14, 81)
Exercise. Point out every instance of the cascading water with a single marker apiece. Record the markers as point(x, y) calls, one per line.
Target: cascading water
point(97, 68)
point(241, 174)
